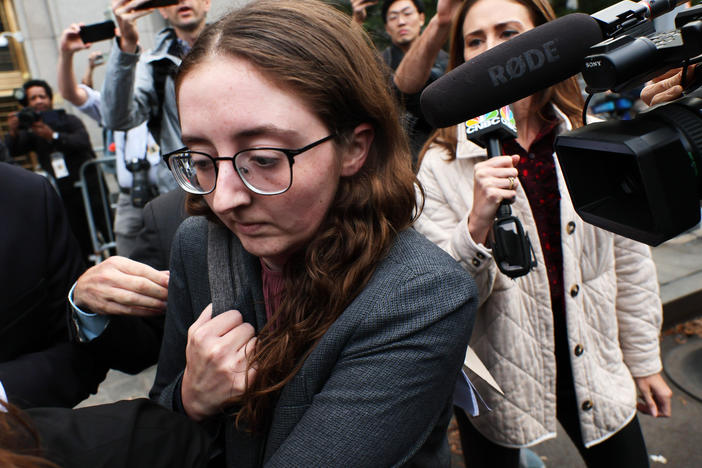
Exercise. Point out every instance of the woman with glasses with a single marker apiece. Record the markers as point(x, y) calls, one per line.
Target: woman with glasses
point(307, 323)
point(572, 340)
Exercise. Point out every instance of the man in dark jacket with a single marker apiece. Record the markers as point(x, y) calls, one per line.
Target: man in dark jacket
point(39, 261)
point(61, 144)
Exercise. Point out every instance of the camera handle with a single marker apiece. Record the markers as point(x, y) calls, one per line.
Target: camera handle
point(511, 246)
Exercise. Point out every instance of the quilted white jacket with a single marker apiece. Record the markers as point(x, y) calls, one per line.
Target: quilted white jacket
point(613, 311)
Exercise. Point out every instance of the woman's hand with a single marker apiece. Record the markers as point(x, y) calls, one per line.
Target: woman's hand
point(495, 179)
point(655, 396)
point(217, 356)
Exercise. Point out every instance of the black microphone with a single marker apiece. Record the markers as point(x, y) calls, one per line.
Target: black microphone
point(532, 61)
point(511, 246)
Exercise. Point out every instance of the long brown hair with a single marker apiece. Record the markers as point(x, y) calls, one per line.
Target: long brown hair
point(565, 95)
point(19, 441)
point(315, 52)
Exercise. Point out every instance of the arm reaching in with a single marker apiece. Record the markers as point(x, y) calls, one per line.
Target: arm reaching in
point(122, 287)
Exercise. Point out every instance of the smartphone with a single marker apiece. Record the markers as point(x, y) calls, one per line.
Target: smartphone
point(155, 4)
point(97, 32)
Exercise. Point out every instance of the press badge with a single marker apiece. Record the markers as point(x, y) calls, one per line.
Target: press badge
point(59, 165)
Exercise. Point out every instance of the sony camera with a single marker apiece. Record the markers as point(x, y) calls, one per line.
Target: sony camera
point(142, 189)
point(640, 178)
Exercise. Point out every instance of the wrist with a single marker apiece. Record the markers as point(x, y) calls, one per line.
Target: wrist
point(478, 230)
point(127, 45)
point(188, 401)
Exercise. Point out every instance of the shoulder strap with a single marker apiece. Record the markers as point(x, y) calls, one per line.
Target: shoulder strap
point(161, 70)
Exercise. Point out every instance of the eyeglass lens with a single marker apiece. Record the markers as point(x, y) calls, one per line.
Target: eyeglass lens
point(265, 171)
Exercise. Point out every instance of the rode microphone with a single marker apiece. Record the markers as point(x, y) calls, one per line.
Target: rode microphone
point(512, 249)
point(530, 62)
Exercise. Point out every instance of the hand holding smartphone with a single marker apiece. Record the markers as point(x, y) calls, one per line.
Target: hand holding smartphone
point(97, 32)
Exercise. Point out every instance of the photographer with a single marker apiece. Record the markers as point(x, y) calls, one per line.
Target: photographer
point(62, 145)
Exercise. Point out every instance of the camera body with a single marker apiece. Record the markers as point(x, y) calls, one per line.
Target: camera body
point(27, 116)
point(625, 61)
point(640, 178)
point(142, 190)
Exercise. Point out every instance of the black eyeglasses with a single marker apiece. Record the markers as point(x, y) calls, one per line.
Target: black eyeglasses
point(266, 171)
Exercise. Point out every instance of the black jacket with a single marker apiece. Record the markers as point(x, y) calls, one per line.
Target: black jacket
point(39, 261)
point(73, 142)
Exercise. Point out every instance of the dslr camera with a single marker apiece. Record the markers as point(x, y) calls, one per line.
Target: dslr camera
point(27, 116)
point(142, 190)
point(640, 178)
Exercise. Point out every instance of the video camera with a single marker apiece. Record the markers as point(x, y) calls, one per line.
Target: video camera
point(640, 178)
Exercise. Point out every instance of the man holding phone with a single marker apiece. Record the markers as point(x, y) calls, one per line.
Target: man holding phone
point(139, 86)
point(134, 145)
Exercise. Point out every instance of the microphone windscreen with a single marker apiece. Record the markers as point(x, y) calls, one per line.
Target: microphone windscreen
point(513, 70)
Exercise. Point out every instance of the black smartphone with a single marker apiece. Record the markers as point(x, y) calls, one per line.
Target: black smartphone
point(97, 32)
point(156, 4)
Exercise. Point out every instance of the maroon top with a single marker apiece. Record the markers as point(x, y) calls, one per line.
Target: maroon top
point(537, 175)
point(272, 288)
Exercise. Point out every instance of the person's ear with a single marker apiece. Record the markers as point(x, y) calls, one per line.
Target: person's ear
point(422, 18)
point(357, 149)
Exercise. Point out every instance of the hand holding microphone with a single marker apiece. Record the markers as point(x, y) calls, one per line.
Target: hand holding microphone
point(496, 181)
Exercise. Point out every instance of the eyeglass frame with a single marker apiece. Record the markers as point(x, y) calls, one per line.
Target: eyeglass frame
point(290, 153)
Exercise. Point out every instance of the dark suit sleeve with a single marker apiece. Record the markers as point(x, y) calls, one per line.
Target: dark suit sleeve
point(394, 379)
point(20, 144)
point(130, 433)
point(150, 248)
point(61, 376)
point(42, 369)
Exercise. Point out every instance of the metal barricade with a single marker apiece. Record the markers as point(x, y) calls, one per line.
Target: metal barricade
point(104, 243)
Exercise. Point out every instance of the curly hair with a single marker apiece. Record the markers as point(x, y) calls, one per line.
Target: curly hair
point(313, 51)
point(565, 95)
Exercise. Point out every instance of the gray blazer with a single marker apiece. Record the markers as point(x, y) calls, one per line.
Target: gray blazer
point(377, 389)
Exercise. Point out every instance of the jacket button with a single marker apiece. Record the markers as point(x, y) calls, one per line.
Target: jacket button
point(587, 405)
point(579, 350)
point(571, 227)
point(481, 256)
point(574, 290)
point(476, 262)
